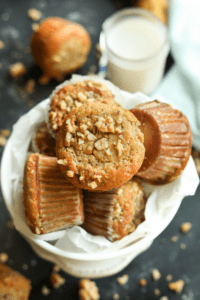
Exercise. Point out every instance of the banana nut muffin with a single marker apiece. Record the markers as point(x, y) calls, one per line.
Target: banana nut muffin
point(167, 141)
point(43, 142)
point(99, 146)
point(60, 47)
point(51, 202)
point(74, 95)
point(115, 213)
point(13, 285)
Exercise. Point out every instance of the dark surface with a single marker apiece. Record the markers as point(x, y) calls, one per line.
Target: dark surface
point(168, 257)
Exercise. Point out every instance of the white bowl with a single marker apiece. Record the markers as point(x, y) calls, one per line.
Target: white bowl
point(92, 265)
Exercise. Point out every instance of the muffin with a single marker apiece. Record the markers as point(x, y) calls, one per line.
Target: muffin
point(51, 202)
point(43, 142)
point(74, 95)
point(116, 213)
point(167, 141)
point(13, 285)
point(60, 47)
point(99, 146)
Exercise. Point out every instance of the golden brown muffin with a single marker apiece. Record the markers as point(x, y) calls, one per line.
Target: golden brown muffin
point(167, 141)
point(157, 7)
point(51, 202)
point(99, 146)
point(116, 213)
point(13, 286)
point(74, 95)
point(43, 142)
point(60, 47)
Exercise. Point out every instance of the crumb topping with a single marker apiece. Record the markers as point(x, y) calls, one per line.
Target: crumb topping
point(88, 290)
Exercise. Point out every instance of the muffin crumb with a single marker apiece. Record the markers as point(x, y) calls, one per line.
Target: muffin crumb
point(185, 227)
point(88, 290)
point(2, 44)
point(34, 14)
point(115, 296)
point(3, 257)
point(176, 286)
point(56, 280)
point(123, 279)
point(45, 291)
point(156, 274)
point(169, 277)
point(157, 292)
point(143, 282)
point(17, 70)
point(174, 238)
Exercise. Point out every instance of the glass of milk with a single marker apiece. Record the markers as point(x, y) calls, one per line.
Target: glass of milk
point(135, 43)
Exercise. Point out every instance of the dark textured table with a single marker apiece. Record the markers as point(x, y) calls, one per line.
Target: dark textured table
point(182, 262)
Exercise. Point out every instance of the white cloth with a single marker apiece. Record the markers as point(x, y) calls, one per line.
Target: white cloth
point(181, 86)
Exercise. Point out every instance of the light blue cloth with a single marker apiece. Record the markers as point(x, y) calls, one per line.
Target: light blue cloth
point(181, 86)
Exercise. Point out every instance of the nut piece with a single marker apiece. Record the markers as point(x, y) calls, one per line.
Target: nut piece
point(185, 227)
point(156, 274)
point(88, 290)
point(143, 282)
point(123, 280)
point(176, 286)
point(56, 280)
point(34, 14)
point(17, 70)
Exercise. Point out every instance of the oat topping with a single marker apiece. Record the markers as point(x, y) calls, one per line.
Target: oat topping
point(156, 274)
point(176, 286)
point(123, 280)
point(88, 290)
point(185, 227)
point(56, 280)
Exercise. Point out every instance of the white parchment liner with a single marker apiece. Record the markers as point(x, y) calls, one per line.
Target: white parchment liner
point(163, 201)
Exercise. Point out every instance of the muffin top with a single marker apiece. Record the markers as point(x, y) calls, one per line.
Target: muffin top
point(74, 95)
point(100, 146)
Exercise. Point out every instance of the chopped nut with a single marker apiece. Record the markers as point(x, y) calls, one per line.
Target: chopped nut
point(143, 282)
point(88, 290)
point(56, 280)
point(45, 291)
point(156, 274)
point(174, 239)
point(30, 86)
point(17, 70)
point(91, 137)
point(92, 184)
point(185, 227)
point(3, 257)
point(169, 277)
point(70, 173)
point(157, 292)
point(176, 286)
point(115, 296)
point(123, 280)
point(101, 144)
point(2, 44)
point(34, 14)
point(35, 26)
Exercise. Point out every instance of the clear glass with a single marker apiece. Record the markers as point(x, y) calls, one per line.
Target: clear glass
point(139, 74)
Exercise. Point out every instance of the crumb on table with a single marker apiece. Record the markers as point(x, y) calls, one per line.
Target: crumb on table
point(157, 292)
point(185, 227)
point(176, 286)
point(2, 44)
point(164, 298)
point(123, 279)
point(88, 290)
point(174, 238)
point(17, 70)
point(169, 277)
point(182, 246)
point(3, 257)
point(115, 296)
point(35, 26)
point(43, 80)
point(56, 268)
point(45, 291)
point(30, 86)
point(156, 274)
point(56, 280)
point(143, 282)
point(34, 14)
